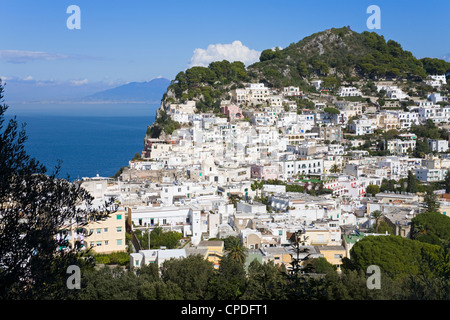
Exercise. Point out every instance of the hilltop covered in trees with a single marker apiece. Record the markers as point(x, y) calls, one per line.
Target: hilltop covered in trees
point(208, 83)
point(343, 54)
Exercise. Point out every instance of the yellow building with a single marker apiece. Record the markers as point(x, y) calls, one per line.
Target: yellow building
point(333, 254)
point(279, 255)
point(103, 236)
point(212, 251)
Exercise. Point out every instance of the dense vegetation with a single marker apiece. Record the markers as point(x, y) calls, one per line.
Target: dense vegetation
point(163, 123)
point(410, 269)
point(158, 238)
point(433, 228)
point(396, 256)
point(342, 55)
point(208, 84)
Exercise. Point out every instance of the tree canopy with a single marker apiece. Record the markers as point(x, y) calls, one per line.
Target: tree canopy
point(432, 227)
point(396, 256)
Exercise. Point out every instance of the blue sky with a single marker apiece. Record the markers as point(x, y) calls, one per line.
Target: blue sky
point(137, 40)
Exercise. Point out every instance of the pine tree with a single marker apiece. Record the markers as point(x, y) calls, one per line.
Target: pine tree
point(412, 183)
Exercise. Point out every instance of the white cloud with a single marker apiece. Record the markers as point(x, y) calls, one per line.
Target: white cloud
point(20, 56)
point(235, 51)
point(29, 78)
point(79, 82)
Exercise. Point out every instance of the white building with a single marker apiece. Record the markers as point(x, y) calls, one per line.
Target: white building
point(436, 97)
point(436, 113)
point(255, 93)
point(363, 126)
point(438, 145)
point(400, 146)
point(436, 80)
point(393, 92)
point(181, 112)
point(291, 168)
point(349, 92)
point(407, 119)
point(146, 257)
point(185, 220)
point(292, 91)
point(430, 175)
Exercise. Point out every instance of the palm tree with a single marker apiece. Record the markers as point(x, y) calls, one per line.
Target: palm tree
point(334, 168)
point(236, 250)
point(377, 214)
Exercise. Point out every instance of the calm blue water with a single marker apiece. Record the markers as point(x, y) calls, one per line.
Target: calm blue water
point(86, 145)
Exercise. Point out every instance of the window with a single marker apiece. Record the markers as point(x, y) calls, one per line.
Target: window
point(105, 230)
point(119, 217)
point(106, 242)
point(119, 242)
point(99, 243)
point(119, 229)
point(338, 256)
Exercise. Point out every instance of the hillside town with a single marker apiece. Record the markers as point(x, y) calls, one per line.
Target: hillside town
point(274, 163)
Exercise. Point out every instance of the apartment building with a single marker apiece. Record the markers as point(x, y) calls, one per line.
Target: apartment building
point(363, 126)
point(102, 236)
point(348, 92)
point(400, 146)
point(438, 145)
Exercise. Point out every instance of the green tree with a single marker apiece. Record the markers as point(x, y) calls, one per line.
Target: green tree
point(230, 281)
point(372, 189)
point(320, 265)
point(109, 284)
point(396, 256)
point(422, 148)
point(331, 110)
point(433, 279)
point(431, 201)
point(169, 239)
point(411, 183)
point(377, 214)
point(447, 182)
point(191, 274)
point(265, 282)
point(431, 227)
point(383, 227)
point(330, 83)
point(270, 54)
point(335, 169)
point(235, 249)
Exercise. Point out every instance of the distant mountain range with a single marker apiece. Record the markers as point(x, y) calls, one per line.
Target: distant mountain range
point(150, 92)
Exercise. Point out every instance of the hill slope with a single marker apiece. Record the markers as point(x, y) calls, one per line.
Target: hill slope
point(337, 52)
point(150, 91)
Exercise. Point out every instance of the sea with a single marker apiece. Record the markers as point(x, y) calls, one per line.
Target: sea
point(89, 140)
